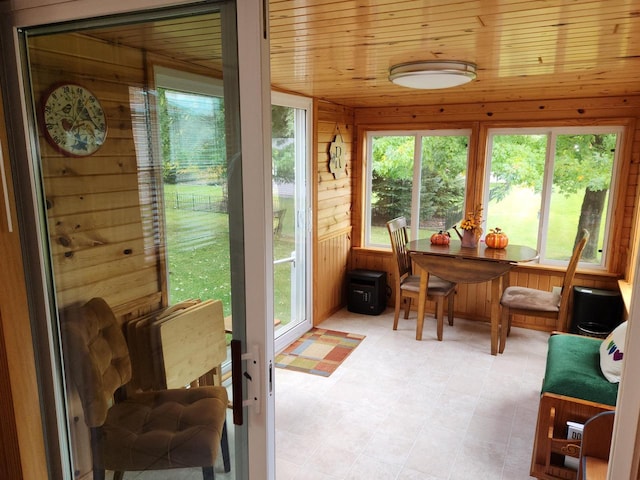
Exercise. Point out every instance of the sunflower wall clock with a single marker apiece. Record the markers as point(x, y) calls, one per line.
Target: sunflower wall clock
point(74, 121)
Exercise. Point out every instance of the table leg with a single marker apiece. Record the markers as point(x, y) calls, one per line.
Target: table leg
point(422, 298)
point(496, 292)
point(505, 325)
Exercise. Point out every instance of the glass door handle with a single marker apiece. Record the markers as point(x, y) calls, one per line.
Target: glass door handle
point(236, 381)
point(238, 375)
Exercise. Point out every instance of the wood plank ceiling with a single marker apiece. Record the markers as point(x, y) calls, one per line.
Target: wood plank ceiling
point(341, 50)
point(524, 49)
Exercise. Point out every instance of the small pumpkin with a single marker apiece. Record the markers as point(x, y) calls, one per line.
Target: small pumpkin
point(440, 238)
point(496, 238)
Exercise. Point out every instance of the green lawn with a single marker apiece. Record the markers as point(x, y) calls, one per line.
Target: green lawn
point(198, 243)
point(198, 252)
point(518, 218)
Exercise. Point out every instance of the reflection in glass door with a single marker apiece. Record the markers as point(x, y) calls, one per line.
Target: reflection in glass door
point(141, 231)
point(291, 133)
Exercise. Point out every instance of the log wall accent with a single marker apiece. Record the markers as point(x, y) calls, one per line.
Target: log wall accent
point(332, 210)
point(472, 301)
point(100, 214)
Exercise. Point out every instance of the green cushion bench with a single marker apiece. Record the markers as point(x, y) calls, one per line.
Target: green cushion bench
point(574, 389)
point(573, 370)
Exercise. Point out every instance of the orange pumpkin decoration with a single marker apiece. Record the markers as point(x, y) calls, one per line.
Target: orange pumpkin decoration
point(496, 238)
point(440, 238)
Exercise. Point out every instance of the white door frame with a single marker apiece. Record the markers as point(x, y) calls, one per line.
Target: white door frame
point(306, 104)
point(255, 117)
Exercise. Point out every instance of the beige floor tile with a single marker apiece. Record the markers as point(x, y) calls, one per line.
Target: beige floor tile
point(409, 474)
point(331, 460)
point(490, 429)
point(435, 450)
point(295, 448)
point(479, 459)
point(403, 409)
point(286, 470)
point(390, 448)
point(371, 468)
point(311, 474)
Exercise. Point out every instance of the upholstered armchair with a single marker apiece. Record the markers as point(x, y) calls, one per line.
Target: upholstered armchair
point(151, 430)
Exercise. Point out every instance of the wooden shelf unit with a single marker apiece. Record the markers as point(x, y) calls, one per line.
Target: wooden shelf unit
point(550, 443)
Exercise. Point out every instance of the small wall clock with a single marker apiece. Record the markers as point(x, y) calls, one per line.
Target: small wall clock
point(74, 121)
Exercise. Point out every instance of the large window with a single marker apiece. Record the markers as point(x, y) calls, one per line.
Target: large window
point(193, 151)
point(194, 176)
point(544, 186)
point(436, 161)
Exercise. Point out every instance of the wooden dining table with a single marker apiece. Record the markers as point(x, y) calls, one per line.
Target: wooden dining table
point(459, 264)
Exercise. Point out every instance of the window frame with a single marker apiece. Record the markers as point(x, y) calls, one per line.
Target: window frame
point(170, 78)
point(187, 83)
point(552, 132)
point(418, 135)
point(479, 164)
point(304, 124)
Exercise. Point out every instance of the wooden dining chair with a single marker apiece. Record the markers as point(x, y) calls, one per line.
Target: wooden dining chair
point(407, 285)
point(540, 303)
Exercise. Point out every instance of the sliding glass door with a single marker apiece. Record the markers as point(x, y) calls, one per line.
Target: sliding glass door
point(290, 151)
point(137, 163)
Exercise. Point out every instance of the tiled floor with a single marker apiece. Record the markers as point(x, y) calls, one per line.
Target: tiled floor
point(399, 409)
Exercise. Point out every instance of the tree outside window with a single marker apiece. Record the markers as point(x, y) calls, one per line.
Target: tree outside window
point(545, 186)
point(542, 187)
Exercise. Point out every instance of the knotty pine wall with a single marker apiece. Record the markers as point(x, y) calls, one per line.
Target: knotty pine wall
point(472, 301)
point(100, 209)
point(100, 215)
point(332, 210)
point(110, 245)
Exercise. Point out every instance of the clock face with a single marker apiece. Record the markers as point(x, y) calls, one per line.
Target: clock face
point(74, 121)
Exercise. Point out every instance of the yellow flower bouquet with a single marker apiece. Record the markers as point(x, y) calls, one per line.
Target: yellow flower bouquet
point(472, 228)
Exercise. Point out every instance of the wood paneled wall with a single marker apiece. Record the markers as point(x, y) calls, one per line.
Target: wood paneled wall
point(110, 246)
point(100, 215)
point(100, 209)
point(332, 210)
point(472, 301)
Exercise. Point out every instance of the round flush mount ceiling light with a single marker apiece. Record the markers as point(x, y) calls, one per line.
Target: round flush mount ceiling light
point(432, 74)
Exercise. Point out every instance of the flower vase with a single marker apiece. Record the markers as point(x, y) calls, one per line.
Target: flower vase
point(469, 239)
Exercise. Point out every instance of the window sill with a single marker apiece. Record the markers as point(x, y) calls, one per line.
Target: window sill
point(582, 271)
point(600, 272)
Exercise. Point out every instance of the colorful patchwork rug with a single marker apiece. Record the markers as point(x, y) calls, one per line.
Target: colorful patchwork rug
point(319, 351)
